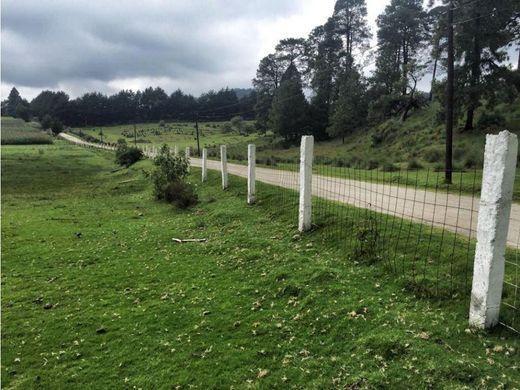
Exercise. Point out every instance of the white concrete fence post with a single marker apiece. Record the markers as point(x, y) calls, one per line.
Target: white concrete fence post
point(493, 224)
point(223, 165)
point(305, 208)
point(251, 179)
point(176, 151)
point(187, 154)
point(204, 164)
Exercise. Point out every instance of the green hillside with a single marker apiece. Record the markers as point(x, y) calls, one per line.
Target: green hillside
point(419, 141)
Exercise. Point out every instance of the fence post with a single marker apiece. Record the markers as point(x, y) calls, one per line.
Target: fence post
point(187, 154)
point(251, 166)
point(204, 165)
point(176, 151)
point(493, 224)
point(223, 164)
point(306, 155)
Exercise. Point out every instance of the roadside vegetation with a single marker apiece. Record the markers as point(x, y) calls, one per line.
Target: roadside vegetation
point(97, 295)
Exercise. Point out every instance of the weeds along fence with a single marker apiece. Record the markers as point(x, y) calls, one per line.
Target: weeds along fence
point(409, 222)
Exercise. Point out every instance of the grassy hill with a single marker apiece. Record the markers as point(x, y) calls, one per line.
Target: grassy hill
point(419, 142)
point(18, 132)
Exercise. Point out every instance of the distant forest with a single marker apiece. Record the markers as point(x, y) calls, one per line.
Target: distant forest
point(56, 109)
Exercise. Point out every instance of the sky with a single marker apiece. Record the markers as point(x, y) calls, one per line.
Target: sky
point(82, 46)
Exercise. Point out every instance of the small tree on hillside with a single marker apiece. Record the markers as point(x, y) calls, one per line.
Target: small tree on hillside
point(46, 122)
point(57, 126)
point(170, 179)
point(350, 110)
point(288, 115)
point(238, 123)
point(23, 112)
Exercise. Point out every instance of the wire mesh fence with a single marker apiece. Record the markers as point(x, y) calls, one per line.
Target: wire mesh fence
point(409, 221)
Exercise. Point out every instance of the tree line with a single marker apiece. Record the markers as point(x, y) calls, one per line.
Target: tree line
point(54, 109)
point(411, 43)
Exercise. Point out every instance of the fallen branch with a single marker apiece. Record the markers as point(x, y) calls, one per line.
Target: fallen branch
point(189, 240)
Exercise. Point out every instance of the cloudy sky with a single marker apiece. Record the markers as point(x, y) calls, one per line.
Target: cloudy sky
point(196, 45)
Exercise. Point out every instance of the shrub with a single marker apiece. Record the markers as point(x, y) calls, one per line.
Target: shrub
point(227, 128)
point(433, 155)
point(377, 139)
point(169, 179)
point(372, 164)
point(181, 194)
point(126, 155)
point(492, 120)
point(389, 167)
point(473, 161)
point(414, 164)
point(367, 239)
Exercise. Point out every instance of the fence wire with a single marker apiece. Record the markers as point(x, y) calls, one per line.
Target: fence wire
point(410, 221)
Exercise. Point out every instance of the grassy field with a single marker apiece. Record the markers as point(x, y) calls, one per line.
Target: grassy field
point(18, 132)
point(181, 134)
point(96, 294)
point(370, 154)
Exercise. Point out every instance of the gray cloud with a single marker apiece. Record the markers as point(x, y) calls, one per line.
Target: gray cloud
point(79, 44)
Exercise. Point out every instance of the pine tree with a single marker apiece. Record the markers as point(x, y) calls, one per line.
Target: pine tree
point(351, 108)
point(288, 116)
point(13, 100)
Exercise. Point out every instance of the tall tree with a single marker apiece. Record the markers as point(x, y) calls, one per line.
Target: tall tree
point(483, 30)
point(323, 53)
point(350, 20)
point(402, 36)
point(288, 116)
point(351, 108)
point(266, 82)
point(13, 100)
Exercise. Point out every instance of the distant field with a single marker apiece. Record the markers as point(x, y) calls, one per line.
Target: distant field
point(18, 132)
point(181, 134)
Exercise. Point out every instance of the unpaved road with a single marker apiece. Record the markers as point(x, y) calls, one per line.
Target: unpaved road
point(453, 212)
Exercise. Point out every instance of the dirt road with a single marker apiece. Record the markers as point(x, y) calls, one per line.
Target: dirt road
point(456, 213)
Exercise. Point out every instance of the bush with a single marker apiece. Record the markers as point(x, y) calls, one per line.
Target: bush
point(414, 164)
point(433, 155)
point(227, 128)
point(494, 121)
point(377, 139)
point(389, 167)
point(181, 194)
point(169, 179)
point(367, 240)
point(126, 155)
point(473, 161)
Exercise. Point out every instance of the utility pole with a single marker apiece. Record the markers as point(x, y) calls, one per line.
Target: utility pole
point(197, 130)
point(449, 99)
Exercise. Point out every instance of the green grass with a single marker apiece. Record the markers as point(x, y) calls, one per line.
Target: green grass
point(257, 306)
point(181, 134)
point(18, 132)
